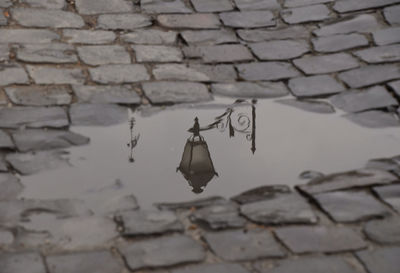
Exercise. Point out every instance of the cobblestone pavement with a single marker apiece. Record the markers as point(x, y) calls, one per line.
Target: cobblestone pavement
point(67, 62)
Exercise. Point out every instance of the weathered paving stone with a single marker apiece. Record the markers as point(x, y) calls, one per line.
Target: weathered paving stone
point(250, 90)
point(123, 94)
point(111, 206)
point(99, 54)
point(175, 92)
point(164, 251)
point(260, 193)
point(299, 3)
point(339, 42)
point(5, 3)
point(305, 14)
point(119, 73)
point(4, 53)
point(3, 165)
point(258, 35)
point(257, 4)
point(192, 21)
point(164, 6)
point(384, 231)
point(32, 36)
point(219, 53)
point(3, 19)
point(6, 237)
point(209, 37)
point(212, 5)
point(10, 74)
point(5, 140)
point(157, 53)
point(392, 14)
point(243, 246)
point(387, 36)
point(123, 21)
point(360, 100)
point(90, 7)
point(371, 74)
point(39, 95)
point(33, 117)
point(36, 139)
point(390, 194)
point(217, 73)
point(3, 98)
point(380, 54)
point(315, 86)
point(373, 119)
point(361, 23)
point(97, 114)
point(10, 187)
point(47, 18)
point(266, 71)
point(287, 208)
point(306, 239)
point(386, 164)
point(354, 5)
point(29, 262)
point(150, 37)
point(215, 268)
point(383, 260)
point(46, 4)
point(314, 106)
point(51, 53)
point(248, 19)
point(136, 223)
point(51, 75)
point(74, 36)
point(198, 203)
point(395, 86)
point(82, 262)
point(326, 63)
point(279, 49)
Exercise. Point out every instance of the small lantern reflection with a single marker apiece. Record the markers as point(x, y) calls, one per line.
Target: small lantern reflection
point(196, 165)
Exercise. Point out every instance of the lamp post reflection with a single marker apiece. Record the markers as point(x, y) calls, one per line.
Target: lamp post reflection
point(134, 140)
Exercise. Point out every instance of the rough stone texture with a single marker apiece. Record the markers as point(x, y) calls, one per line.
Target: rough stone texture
point(157, 53)
point(250, 90)
point(47, 18)
point(390, 194)
point(52, 53)
point(280, 49)
point(6, 237)
point(197, 203)
point(32, 36)
point(51, 75)
point(193, 21)
point(119, 73)
point(315, 86)
point(150, 36)
point(326, 63)
point(3, 98)
point(395, 86)
point(123, 21)
point(381, 54)
point(374, 119)
point(99, 55)
point(164, 6)
point(339, 42)
point(384, 260)
point(4, 53)
point(257, 4)
point(29, 262)
point(258, 35)
point(122, 94)
point(265, 71)
point(3, 165)
point(47, 4)
point(392, 14)
point(260, 193)
point(219, 53)
point(215, 268)
point(387, 36)
point(305, 14)
point(354, 5)
point(5, 140)
point(88, 36)
point(10, 74)
point(10, 187)
point(384, 231)
point(5, 3)
point(314, 106)
point(209, 37)
point(3, 19)
point(39, 95)
point(167, 92)
point(103, 6)
point(248, 19)
point(217, 73)
point(163, 251)
point(300, 3)
point(211, 5)
point(97, 114)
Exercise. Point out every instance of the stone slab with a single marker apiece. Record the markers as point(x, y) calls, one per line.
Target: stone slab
point(266, 71)
point(384, 231)
point(119, 73)
point(248, 19)
point(392, 14)
point(81, 36)
point(157, 53)
point(104, 54)
point(4, 53)
point(122, 94)
point(10, 186)
point(250, 90)
point(326, 63)
point(260, 193)
point(164, 6)
point(97, 114)
point(390, 194)
point(52, 75)
point(380, 54)
point(339, 42)
point(300, 3)
point(312, 13)
point(12, 74)
point(373, 119)
point(46, 4)
point(258, 35)
point(47, 18)
point(313, 106)
point(383, 260)
point(387, 36)
point(257, 4)
point(212, 5)
point(32, 36)
point(197, 203)
point(28, 262)
point(371, 74)
point(3, 19)
point(123, 21)
point(354, 5)
point(90, 7)
point(215, 268)
point(192, 21)
point(280, 49)
point(315, 86)
point(39, 95)
point(219, 53)
point(5, 3)
point(52, 53)
point(209, 37)
point(150, 37)
point(5, 140)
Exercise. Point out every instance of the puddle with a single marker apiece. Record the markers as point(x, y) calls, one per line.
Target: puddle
point(286, 141)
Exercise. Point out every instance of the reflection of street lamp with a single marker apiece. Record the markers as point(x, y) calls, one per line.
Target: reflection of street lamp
point(196, 164)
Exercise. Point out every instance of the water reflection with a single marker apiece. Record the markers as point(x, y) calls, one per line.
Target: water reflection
point(134, 139)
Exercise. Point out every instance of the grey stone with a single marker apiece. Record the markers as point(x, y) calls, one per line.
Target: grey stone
point(119, 73)
point(326, 63)
point(12, 74)
point(164, 6)
point(209, 37)
point(243, 246)
point(323, 85)
point(193, 21)
point(258, 35)
point(360, 100)
point(216, 73)
point(162, 251)
point(90, 7)
point(136, 223)
point(390, 194)
point(383, 260)
point(299, 3)
point(5, 3)
point(36, 139)
point(111, 206)
point(354, 5)
point(32, 36)
point(51, 75)
point(123, 21)
point(175, 92)
point(363, 23)
point(3, 19)
point(6, 237)
point(106, 94)
point(265, 71)
point(250, 90)
point(199, 203)
point(10, 187)
point(39, 95)
point(386, 164)
point(46, 4)
point(157, 53)
point(47, 18)
point(219, 53)
point(373, 119)
point(103, 54)
point(392, 14)
point(347, 180)
point(306, 239)
point(3, 165)
point(150, 37)
point(381, 54)
point(339, 42)
point(74, 36)
point(371, 74)
point(215, 268)
point(97, 114)
point(5, 140)
point(212, 5)
point(257, 4)
point(33, 117)
point(384, 231)
point(248, 19)
point(305, 14)
point(260, 193)
point(28, 262)
point(395, 86)
point(387, 36)
point(287, 208)
point(314, 106)
point(3, 98)
point(82, 262)
point(4, 53)
point(280, 49)
point(50, 53)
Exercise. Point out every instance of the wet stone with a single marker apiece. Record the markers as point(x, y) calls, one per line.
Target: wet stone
point(258, 35)
point(381, 54)
point(280, 49)
point(384, 231)
point(387, 36)
point(51, 75)
point(265, 71)
point(390, 194)
point(5, 140)
point(198, 203)
point(97, 114)
point(305, 14)
point(326, 63)
point(99, 54)
point(157, 53)
point(112, 206)
point(260, 193)
point(162, 251)
point(314, 106)
point(248, 19)
point(392, 14)
point(383, 260)
point(354, 5)
point(39, 95)
point(243, 246)
point(51, 53)
point(386, 164)
point(123, 94)
point(123, 21)
point(220, 53)
point(46, 4)
point(33, 117)
point(90, 7)
point(257, 4)
point(164, 6)
point(209, 37)
point(193, 21)
point(47, 18)
point(215, 268)
point(3, 19)
point(250, 90)
point(176, 92)
point(88, 36)
point(360, 100)
point(4, 53)
point(12, 74)
point(28, 262)
point(323, 85)
point(339, 42)
point(10, 187)
point(212, 5)
point(32, 36)
point(119, 73)
point(150, 37)
point(374, 119)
